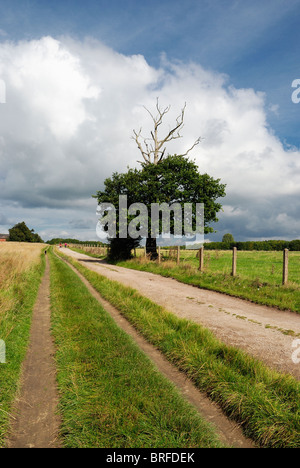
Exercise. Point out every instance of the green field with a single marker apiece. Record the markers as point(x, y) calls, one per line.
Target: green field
point(264, 267)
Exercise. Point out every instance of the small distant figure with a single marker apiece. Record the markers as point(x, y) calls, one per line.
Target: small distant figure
point(46, 252)
point(65, 246)
point(60, 245)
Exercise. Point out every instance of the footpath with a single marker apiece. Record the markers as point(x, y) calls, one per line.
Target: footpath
point(35, 420)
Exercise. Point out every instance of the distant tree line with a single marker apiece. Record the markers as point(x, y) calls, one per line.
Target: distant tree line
point(267, 245)
point(59, 240)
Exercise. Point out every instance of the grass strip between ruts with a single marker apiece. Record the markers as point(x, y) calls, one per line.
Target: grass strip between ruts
point(265, 402)
point(111, 395)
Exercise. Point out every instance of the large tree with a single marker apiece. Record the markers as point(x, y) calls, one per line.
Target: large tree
point(176, 179)
point(21, 233)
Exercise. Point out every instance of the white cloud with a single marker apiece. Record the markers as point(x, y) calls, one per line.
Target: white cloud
point(49, 82)
point(70, 111)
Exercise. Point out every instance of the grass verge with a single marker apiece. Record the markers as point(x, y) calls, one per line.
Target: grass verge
point(265, 403)
point(87, 252)
point(15, 331)
point(111, 395)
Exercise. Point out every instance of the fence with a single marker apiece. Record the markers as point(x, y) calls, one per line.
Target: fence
point(179, 255)
point(285, 272)
point(174, 253)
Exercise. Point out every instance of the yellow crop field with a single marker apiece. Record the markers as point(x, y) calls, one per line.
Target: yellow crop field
point(15, 259)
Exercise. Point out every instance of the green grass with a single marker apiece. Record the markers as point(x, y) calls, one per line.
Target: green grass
point(111, 395)
point(87, 252)
point(15, 331)
point(264, 402)
point(217, 277)
point(264, 267)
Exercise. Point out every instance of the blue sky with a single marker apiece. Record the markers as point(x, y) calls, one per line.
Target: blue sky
point(253, 43)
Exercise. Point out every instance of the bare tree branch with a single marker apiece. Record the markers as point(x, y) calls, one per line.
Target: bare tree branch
point(154, 151)
point(192, 147)
point(136, 137)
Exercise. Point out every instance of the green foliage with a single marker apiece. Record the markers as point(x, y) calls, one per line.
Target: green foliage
point(267, 245)
point(21, 233)
point(228, 238)
point(60, 240)
point(294, 245)
point(175, 179)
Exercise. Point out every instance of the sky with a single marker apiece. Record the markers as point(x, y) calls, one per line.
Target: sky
point(75, 77)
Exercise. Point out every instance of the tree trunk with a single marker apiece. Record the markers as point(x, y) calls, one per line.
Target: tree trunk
point(151, 249)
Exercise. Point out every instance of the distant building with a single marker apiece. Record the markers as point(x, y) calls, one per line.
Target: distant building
point(4, 237)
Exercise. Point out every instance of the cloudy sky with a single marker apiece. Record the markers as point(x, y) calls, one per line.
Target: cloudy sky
point(74, 77)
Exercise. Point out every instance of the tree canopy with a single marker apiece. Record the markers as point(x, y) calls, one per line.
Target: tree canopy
point(228, 238)
point(21, 233)
point(176, 179)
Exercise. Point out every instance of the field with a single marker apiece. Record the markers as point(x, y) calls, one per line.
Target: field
point(263, 267)
point(15, 261)
point(21, 268)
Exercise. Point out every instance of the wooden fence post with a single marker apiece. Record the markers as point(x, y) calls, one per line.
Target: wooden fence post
point(234, 255)
point(178, 254)
point(285, 266)
point(201, 258)
point(159, 259)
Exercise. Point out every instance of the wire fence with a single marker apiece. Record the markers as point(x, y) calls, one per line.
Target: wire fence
point(272, 267)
